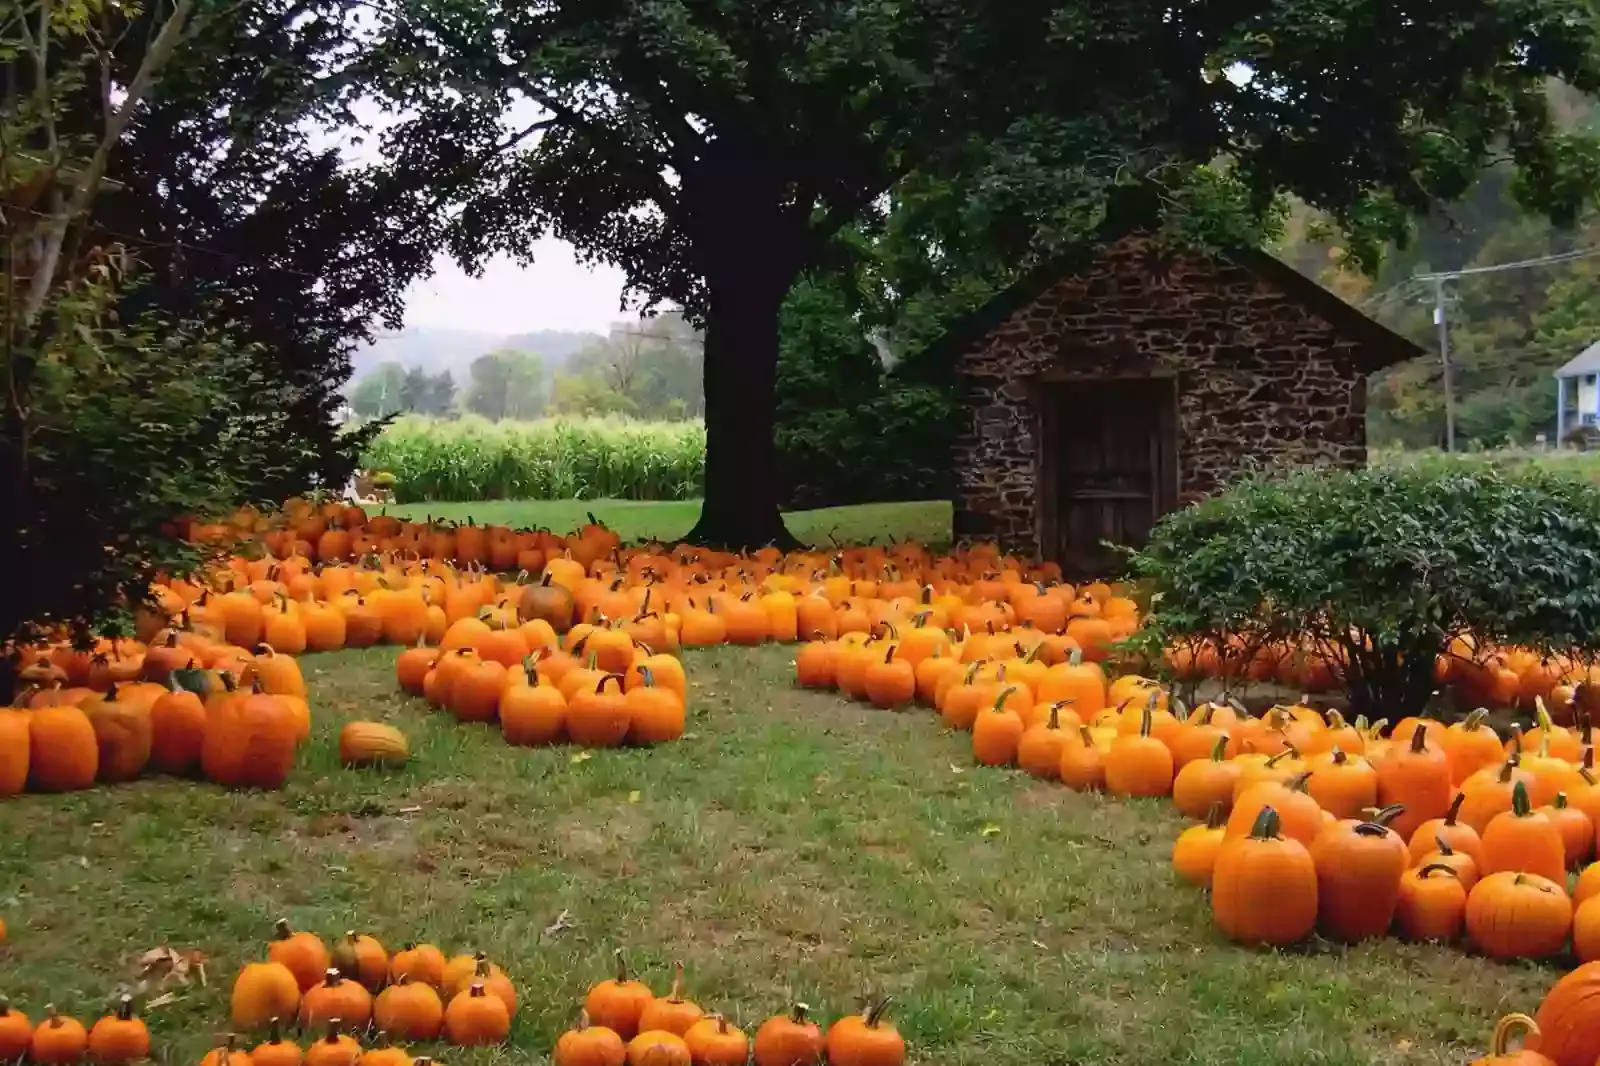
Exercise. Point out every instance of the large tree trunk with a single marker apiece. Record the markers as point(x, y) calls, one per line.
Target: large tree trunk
point(741, 366)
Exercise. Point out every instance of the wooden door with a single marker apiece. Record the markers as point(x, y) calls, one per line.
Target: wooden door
point(1110, 468)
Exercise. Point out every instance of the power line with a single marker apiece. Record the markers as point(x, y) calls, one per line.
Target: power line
point(1521, 264)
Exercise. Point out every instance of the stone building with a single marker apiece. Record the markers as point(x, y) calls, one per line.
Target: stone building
point(1102, 393)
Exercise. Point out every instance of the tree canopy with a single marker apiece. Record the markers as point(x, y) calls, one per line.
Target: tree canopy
point(714, 150)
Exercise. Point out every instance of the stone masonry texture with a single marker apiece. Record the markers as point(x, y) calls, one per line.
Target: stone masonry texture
point(1261, 381)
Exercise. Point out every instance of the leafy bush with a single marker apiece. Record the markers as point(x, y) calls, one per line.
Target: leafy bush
point(553, 459)
point(124, 429)
point(1380, 570)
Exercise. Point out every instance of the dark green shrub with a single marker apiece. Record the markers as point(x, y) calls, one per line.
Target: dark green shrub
point(1381, 569)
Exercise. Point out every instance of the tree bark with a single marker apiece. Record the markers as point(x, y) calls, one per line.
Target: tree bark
point(741, 367)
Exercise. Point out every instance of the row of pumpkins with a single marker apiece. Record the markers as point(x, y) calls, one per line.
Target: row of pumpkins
point(624, 1022)
point(1479, 675)
point(241, 729)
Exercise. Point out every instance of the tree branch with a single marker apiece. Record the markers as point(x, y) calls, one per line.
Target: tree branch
point(87, 181)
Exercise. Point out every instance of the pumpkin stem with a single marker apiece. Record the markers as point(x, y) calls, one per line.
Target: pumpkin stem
point(1338, 756)
point(125, 1008)
point(1215, 819)
point(1520, 804)
point(1384, 815)
point(1000, 700)
point(1509, 1027)
point(275, 1030)
point(1297, 783)
point(1509, 765)
point(1560, 802)
point(798, 1014)
point(1419, 740)
point(1442, 845)
point(1454, 812)
point(1088, 739)
point(888, 656)
point(333, 1030)
point(1432, 867)
point(480, 965)
point(1266, 825)
point(676, 994)
point(622, 966)
point(1219, 748)
point(876, 1012)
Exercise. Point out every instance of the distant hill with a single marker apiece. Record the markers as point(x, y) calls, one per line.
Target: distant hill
point(436, 348)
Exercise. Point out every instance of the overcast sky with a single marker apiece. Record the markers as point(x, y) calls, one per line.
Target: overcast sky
point(556, 292)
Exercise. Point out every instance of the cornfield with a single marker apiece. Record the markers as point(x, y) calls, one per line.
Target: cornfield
point(552, 459)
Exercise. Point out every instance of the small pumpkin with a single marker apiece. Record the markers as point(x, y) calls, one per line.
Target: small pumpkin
point(618, 1002)
point(997, 730)
point(1524, 839)
point(177, 729)
point(261, 992)
point(672, 1012)
point(657, 1047)
point(226, 1054)
point(119, 1038)
point(304, 954)
point(420, 962)
point(276, 1050)
point(713, 1042)
point(1415, 776)
point(372, 744)
point(592, 1045)
point(384, 1053)
point(866, 1040)
point(1449, 828)
point(1138, 764)
point(409, 1010)
point(58, 1041)
point(16, 1032)
point(361, 956)
point(1431, 904)
point(1194, 853)
point(333, 1048)
point(335, 997)
point(790, 1040)
point(475, 1018)
point(597, 718)
point(531, 714)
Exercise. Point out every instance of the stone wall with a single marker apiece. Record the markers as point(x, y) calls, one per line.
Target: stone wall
point(1260, 379)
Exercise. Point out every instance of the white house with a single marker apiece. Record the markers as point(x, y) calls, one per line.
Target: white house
point(1578, 392)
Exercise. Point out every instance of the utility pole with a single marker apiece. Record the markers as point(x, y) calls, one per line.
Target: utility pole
point(1444, 360)
point(1438, 280)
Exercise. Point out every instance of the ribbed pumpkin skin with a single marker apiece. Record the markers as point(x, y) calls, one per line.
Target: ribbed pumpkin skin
point(372, 744)
point(1569, 1018)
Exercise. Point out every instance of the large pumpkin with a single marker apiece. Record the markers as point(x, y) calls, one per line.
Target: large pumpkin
point(13, 751)
point(549, 601)
point(1569, 1018)
point(123, 733)
point(249, 742)
point(372, 744)
point(63, 753)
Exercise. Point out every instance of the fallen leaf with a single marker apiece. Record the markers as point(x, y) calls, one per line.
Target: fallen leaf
point(161, 1001)
point(957, 769)
point(409, 810)
point(633, 797)
point(1402, 1045)
point(562, 923)
point(580, 756)
point(991, 830)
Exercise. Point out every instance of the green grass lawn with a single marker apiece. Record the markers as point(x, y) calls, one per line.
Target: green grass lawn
point(928, 522)
point(791, 846)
